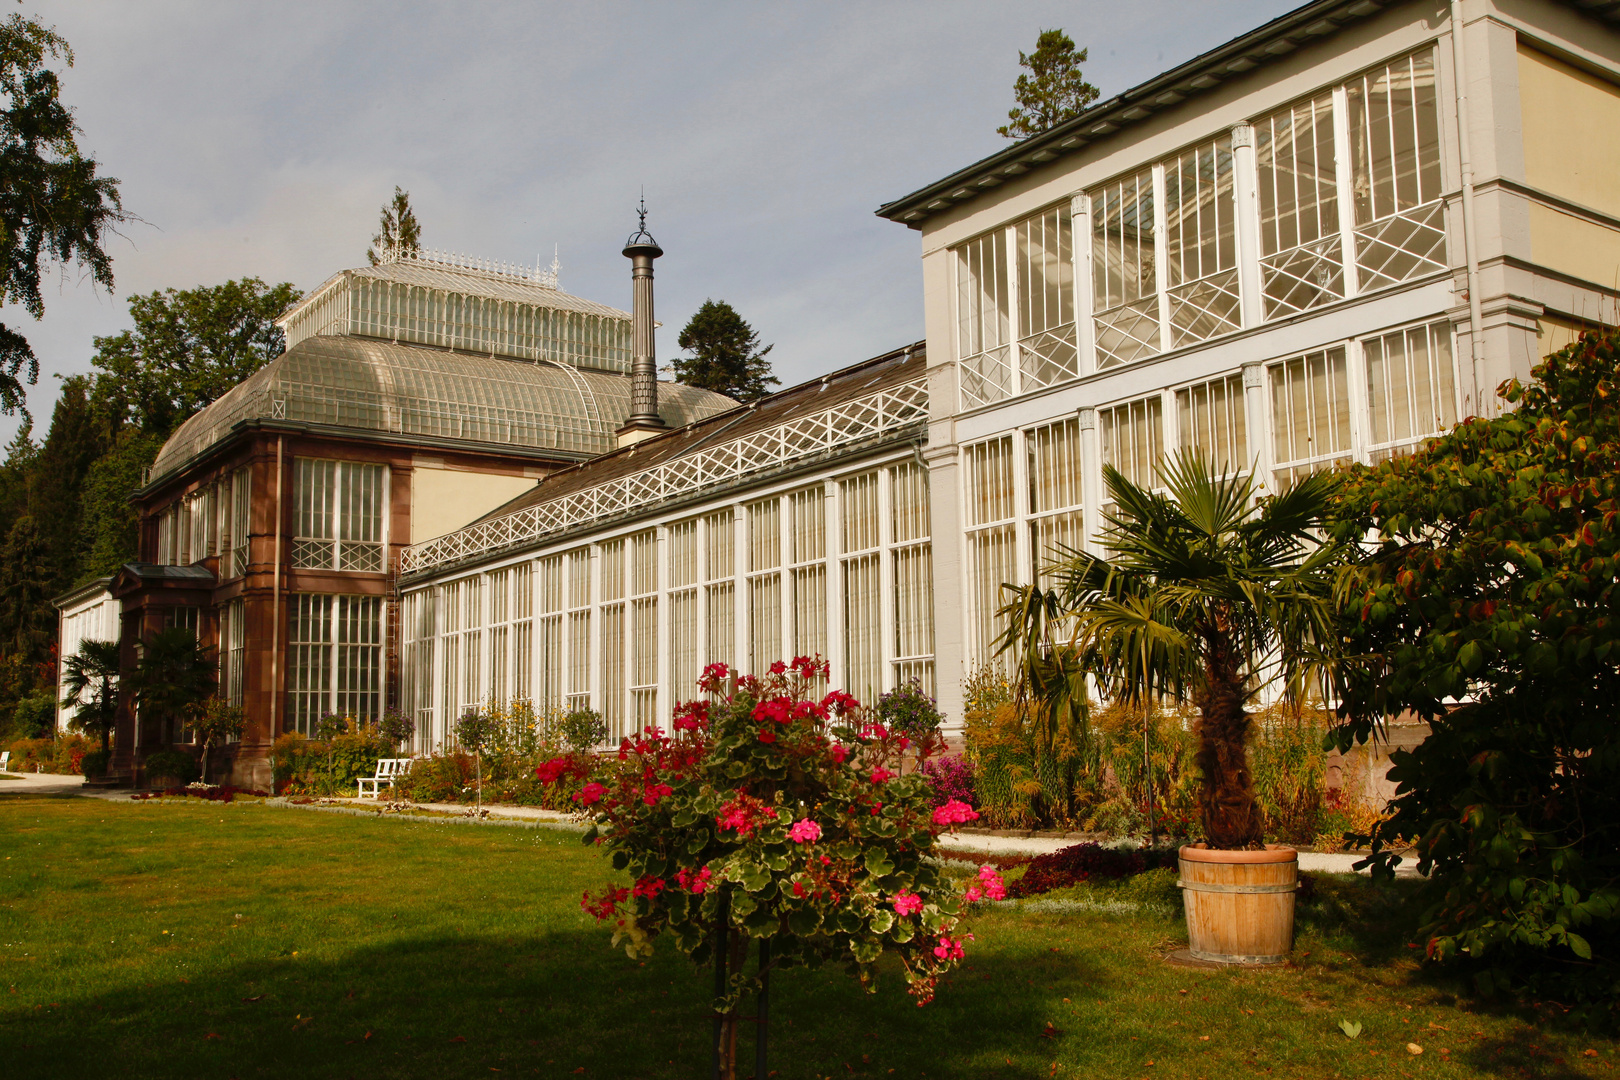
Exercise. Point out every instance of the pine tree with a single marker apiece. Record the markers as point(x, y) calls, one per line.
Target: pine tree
point(77, 437)
point(397, 228)
point(726, 356)
point(27, 620)
point(1055, 90)
point(108, 522)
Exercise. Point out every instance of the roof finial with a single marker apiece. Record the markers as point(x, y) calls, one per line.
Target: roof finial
point(641, 235)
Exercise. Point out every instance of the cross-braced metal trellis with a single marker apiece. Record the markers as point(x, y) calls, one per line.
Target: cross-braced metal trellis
point(840, 425)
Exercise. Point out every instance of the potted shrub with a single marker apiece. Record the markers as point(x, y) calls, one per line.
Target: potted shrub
point(1209, 597)
point(167, 769)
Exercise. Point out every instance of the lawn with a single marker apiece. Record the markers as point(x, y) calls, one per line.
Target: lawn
point(206, 940)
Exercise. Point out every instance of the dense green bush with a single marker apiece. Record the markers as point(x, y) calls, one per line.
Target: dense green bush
point(34, 717)
point(1493, 582)
point(302, 766)
point(170, 768)
point(59, 755)
point(94, 764)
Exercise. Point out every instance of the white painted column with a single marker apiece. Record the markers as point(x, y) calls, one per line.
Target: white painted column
point(1246, 202)
point(833, 513)
point(886, 627)
point(704, 659)
point(666, 694)
point(1257, 421)
point(1091, 491)
point(1085, 329)
point(741, 601)
point(784, 551)
point(950, 580)
point(1161, 259)
point(1346, 192)
point(593, 638)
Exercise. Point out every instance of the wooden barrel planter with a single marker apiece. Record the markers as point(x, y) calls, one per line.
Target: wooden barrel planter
point(1240, 904)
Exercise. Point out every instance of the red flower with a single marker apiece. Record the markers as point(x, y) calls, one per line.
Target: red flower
point(880, 775)
point(591, 793)
point(767, 736)
point(656, 792)
point(839, 702)
point(778, 668)
point(839, 753)
point(648, 887)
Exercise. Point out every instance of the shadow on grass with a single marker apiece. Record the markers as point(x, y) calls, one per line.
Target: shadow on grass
point(556, 1005)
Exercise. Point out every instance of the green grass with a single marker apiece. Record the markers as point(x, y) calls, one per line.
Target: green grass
point(201, 940)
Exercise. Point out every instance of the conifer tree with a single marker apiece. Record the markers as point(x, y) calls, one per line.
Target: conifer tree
point(1053, 91)
point(77, 437)
point(397, 227)
point(726, 356)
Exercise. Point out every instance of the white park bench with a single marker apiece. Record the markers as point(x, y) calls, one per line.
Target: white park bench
point(388, 769)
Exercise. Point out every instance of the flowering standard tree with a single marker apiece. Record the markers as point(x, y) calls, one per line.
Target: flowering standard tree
point(771, 816)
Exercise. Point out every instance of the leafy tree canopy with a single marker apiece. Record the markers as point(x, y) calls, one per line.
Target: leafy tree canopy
point(54, 207)
point(726, 356)
point(188, 347)
point(1052, 91)
point(1495, 581)
point(397, 228)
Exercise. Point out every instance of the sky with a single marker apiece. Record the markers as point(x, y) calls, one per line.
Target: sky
point(262, 140)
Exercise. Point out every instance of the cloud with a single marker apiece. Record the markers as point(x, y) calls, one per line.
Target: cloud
point(263, 139)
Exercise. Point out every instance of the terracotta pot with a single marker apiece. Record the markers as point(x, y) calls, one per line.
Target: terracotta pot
point(1240, 904)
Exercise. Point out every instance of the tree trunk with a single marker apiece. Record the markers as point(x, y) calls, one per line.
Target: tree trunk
point(1226, 796)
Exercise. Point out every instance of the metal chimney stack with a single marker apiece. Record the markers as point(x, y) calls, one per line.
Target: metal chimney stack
point(644, 422)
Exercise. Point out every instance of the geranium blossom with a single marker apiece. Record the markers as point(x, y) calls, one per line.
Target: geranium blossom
point(955, 812)
point(744, 813)
point(907, 903)
point(950, 948)
point(804, 832)
point(994, 887)
point(591, 793)
point(693, 883)
point(880, 775)
point(838, 753)
point(656, 792)
point(648, 887)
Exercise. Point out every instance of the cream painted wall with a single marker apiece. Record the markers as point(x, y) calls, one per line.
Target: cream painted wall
point(1571, 133)
point(1574, 246)
point(443, 500)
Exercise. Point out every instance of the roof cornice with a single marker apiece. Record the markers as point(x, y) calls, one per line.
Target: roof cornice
point(1312, 22)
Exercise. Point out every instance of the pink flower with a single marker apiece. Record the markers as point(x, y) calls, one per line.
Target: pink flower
point(839, 753)
point(691, 882)
point(974, 894)
point(591, 793)
point(954, 812)
point(804, 832)
point(949, 949)
point(880, 775)
point(994, 887)
point(907, 903)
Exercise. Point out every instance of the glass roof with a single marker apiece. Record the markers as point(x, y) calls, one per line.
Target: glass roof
point(370, 385)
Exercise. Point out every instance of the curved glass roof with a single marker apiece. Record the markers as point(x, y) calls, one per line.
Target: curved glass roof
point(370, 385)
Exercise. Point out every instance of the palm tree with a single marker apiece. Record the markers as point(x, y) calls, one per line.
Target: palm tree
point(90, 680)
point(174, 676)
point(1207, 598)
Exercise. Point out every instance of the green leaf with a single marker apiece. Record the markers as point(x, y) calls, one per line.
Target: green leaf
point(804, 921)
point(1351, 1028)
point(881, 920)
point(866, 951)
point(1579, 946)
point(878, 863)
point(590, 836)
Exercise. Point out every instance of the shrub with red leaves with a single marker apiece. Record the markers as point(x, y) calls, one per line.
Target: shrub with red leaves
point(1085, 862)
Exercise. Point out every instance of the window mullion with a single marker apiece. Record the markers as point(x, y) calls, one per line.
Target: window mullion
point(1015, 320)
point(1246, 204)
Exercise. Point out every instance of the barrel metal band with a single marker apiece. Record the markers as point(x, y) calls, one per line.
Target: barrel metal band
point(1235, 958)
point(1216, 887)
